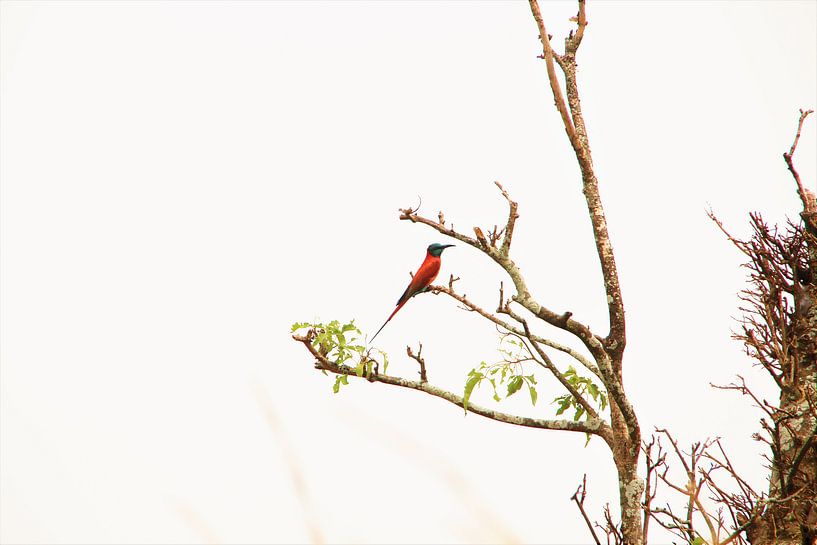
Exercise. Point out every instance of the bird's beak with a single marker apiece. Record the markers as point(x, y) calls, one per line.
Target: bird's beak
point(448, 245)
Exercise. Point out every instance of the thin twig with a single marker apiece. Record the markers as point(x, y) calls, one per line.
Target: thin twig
point(418, 357)
point(805, 195)
point(554, 80)
point(512, 217)
point(560, 376)
point(580, 504)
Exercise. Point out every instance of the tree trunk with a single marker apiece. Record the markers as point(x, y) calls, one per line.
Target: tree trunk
point(792, 518)
point(793, 521)
point(630, 485)
point(630, 490)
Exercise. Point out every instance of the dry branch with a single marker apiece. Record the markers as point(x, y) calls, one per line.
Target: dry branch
point(469, 305)
point(806, 196)
point(779, 332)
point(418, 357)
point(579, 499)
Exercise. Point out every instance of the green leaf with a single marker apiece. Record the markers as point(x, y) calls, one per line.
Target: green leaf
point(340, 379)
point(493, 385)
point(298, 325)
point(349, 327)
point(533, 394)
point(564, 403)
point(594, 391)
point(474, 378)
point(579, 413)
point(514, 385)
point(698, 541)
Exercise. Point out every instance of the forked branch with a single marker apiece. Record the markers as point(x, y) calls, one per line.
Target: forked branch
point(562, 321)
point(592, 426)
point(512, 328)
point(512, 216)
point(573, 121)
point(806, 196)
point(578, 497)
point(608, 367)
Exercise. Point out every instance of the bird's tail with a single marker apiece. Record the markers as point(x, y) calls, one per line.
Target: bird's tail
point(399, 306)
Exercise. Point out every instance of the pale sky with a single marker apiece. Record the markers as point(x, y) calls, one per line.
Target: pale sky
point(183, 180)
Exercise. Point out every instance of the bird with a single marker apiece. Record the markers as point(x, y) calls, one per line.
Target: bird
point(421, 280)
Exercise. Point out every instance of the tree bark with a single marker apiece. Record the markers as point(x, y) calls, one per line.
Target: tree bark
point(788, 263)
point(626, 441)
point(793, 519)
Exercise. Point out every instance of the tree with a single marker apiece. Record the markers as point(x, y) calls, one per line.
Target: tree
point(779, 333)
point(519, 314)
point(593, 387)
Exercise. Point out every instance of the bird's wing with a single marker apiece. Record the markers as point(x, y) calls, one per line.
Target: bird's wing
point(424, 276)
point(405, 297)
point(427, 273)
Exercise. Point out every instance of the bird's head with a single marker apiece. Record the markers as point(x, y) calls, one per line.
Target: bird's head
point(437, 249)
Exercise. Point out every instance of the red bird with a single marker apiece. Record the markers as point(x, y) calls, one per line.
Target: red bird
point(421, 280)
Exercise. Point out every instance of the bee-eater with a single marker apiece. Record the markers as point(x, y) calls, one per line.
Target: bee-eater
point(421, 280)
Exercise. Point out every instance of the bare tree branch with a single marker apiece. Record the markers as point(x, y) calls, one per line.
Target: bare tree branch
point(554, 80)
point(573, 41)
point(653, 463)
point(418, 357)
point(577, 133)
point(473, 307)
point(512, 216)
point(580, 504)
point(546, 361)
point(523, 296)
point(806, 196)
point(594, 344)
point(613, 530)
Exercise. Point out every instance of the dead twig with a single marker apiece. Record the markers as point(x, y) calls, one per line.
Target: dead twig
point(418, 357)
point(806, 196)
point(579, 499)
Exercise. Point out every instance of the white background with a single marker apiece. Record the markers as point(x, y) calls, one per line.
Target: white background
point(182, 181)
